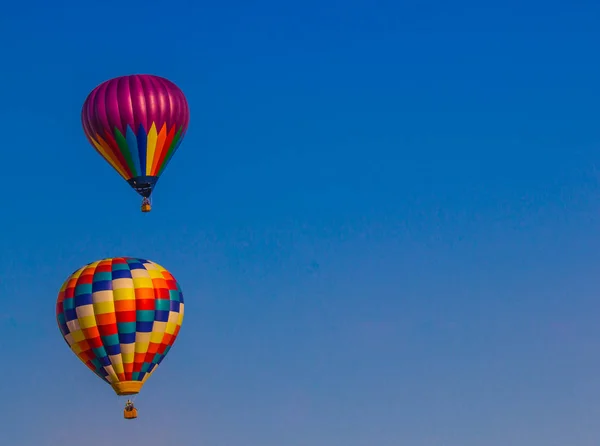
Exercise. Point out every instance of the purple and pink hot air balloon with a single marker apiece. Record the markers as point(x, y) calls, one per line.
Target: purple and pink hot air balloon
point(136, 123)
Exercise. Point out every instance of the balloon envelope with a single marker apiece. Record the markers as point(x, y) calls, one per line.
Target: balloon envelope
point(136, 123)
point(120, 316)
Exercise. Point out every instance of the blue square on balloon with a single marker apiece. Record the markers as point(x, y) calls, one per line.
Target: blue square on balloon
point(121, 274)
point(83, 299)
point(102, 285)
point(161, 316)
point(144, 327)
point(127, 338)
point(113, 350)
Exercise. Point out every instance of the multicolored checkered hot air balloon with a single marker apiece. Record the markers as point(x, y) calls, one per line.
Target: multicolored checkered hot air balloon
point(136, 123)
point(121, 316)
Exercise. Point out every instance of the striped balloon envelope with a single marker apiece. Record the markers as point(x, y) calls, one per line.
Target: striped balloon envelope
point(136, 123)
point(120, 316)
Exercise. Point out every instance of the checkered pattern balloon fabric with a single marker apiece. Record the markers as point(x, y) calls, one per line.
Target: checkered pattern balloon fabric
point(120, 316)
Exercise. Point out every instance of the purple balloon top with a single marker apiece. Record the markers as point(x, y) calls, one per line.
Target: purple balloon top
point(134, 100)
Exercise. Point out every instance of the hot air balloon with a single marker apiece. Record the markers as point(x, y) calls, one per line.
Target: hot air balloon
point(121, 316)
point(136, 123)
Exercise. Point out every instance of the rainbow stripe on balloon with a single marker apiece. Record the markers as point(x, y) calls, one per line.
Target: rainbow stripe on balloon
point(136, 123)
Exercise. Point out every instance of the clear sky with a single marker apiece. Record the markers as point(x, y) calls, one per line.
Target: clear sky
point(384, 219)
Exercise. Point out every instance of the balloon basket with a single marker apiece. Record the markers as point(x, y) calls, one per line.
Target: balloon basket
point(130, 414)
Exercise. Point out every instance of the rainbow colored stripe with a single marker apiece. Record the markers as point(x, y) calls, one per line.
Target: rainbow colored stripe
point(120, 316)
point(136, 123)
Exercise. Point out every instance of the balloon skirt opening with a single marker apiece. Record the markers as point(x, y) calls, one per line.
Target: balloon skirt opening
point(127, 387)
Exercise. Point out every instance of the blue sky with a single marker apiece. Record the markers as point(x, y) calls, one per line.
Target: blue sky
point(384, 219)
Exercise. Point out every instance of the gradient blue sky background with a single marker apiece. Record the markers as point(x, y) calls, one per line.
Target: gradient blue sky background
point(384, 219)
